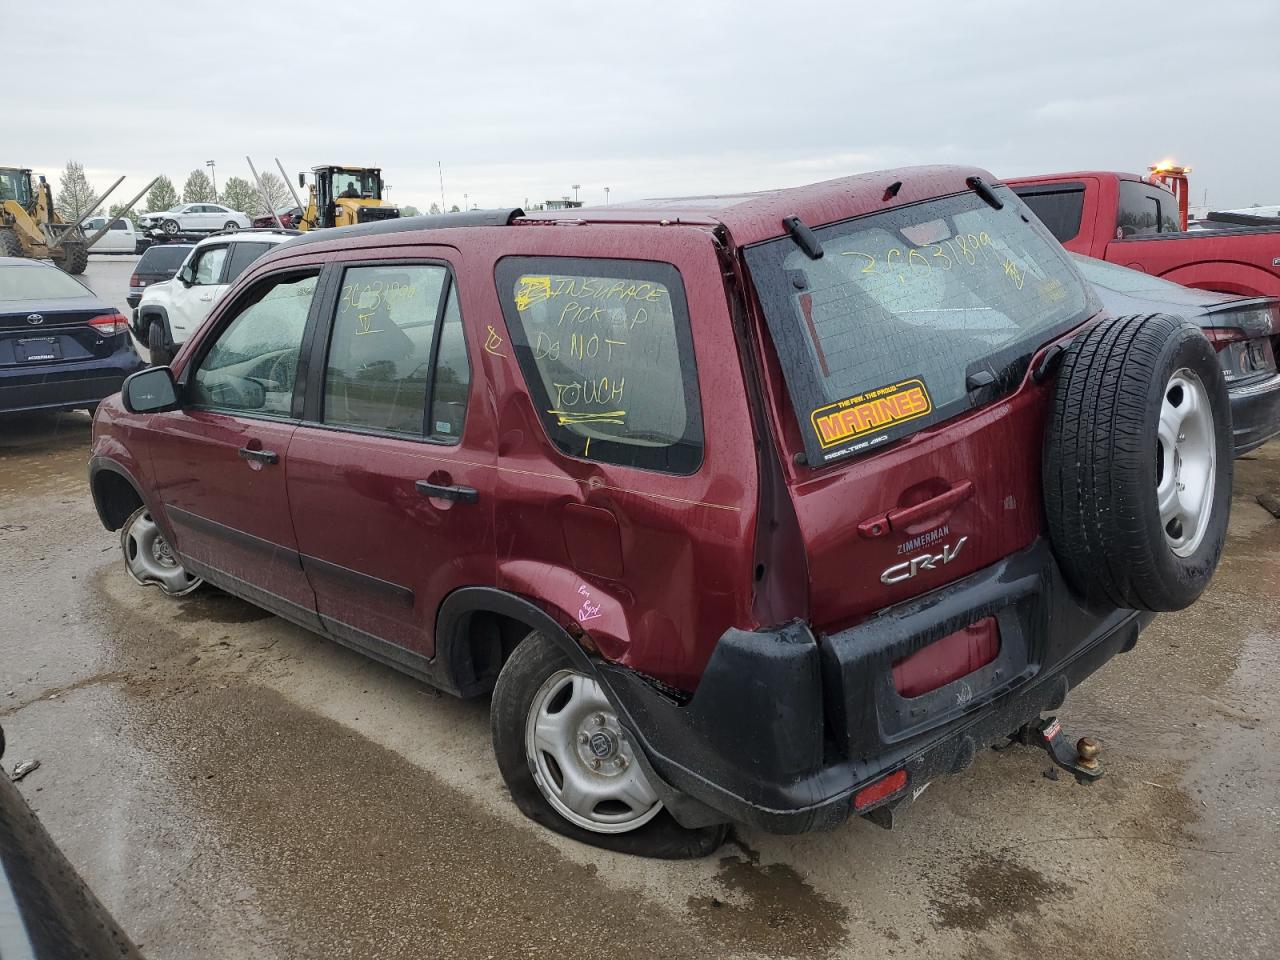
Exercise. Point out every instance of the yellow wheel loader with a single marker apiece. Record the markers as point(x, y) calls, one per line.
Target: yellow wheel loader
point(31, 227)
point(341, 196)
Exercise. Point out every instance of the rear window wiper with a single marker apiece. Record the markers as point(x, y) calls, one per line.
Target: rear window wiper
point(979, 186)
point(804, 237)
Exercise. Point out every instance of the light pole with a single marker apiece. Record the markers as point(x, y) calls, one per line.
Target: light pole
point(606, 196)
point(576, 188)
point(214, 177)
point(464, 203)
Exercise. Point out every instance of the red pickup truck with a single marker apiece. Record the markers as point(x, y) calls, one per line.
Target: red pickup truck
point(1127, 219)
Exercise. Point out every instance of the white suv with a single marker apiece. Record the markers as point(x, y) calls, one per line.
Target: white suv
point(193, 217)
point(170, 311)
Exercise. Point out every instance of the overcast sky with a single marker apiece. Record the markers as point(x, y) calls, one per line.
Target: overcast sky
point(522, 100)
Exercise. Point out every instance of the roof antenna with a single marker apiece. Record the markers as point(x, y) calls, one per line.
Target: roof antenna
point(805, 238)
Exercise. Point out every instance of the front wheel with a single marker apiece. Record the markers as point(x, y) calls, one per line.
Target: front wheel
point(149, 558)
point(155, 344)
point(571, 767)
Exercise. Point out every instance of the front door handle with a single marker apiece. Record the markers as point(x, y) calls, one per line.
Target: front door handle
point(452, 492)
point(260, 456)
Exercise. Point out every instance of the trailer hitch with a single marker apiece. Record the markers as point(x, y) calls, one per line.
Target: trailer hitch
point(1081, 761)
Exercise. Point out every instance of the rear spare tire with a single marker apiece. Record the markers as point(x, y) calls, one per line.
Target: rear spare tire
point(1138, 463)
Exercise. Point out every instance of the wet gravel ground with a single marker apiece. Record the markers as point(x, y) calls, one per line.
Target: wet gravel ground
point(232, 786)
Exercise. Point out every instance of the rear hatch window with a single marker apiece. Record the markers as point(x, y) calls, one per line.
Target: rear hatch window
point(881, 335)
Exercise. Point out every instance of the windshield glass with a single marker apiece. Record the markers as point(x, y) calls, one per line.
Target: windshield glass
point(22, 281)
point(349, 183)
point(878, 337)
point(15, 185)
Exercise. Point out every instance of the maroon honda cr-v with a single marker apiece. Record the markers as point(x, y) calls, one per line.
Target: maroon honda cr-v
point(764, 508)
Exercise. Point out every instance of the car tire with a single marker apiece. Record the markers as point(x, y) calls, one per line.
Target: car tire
point(1137, 465)
point(159, 353)
point(10, 245)
point(74, 259)
point(540, 683)
point(170, 227)
point(149, 560)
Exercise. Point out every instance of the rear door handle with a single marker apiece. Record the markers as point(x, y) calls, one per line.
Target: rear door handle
point(459, 493)
point(260, 456)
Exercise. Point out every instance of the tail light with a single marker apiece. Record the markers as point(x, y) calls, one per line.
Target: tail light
point(109, 324)
point(1224, 336)
point(133, 280)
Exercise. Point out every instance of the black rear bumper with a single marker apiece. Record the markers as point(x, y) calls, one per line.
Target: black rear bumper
point(1255, 414)
point(785, 728)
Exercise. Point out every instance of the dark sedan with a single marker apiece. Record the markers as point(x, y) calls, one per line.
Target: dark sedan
point(61, 346)
point(1245, 331)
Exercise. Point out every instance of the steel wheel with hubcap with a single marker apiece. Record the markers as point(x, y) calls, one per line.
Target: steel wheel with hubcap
point(581, 760)
point(571, 766)
point(149, 558)
point(1187, 462)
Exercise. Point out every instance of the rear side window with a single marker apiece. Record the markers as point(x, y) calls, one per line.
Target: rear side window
point(1059, 210)
point(243, 254)
point(1144, 211)
point(607, 354)
point(390, 321)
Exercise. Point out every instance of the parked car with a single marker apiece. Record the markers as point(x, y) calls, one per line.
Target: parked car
point(194, 218)
point(157, 264)
point(171, 309)
point(289, 217)
point(61, 346)
point(121, 238)
point(767, 508)
point(1244, 330)
point(1126, 219)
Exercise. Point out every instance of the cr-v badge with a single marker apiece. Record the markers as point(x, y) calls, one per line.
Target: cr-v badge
point(929, 561)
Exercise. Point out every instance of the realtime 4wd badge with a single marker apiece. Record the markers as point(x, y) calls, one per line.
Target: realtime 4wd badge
point(836, 424)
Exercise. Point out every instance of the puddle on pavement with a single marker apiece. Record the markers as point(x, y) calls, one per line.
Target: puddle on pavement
point(769, 908)
point(210, 605)
point(991, 890)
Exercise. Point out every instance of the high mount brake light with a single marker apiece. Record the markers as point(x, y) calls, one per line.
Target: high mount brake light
point(109, 324)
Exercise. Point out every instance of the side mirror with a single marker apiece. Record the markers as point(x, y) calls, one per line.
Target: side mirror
point(187, 276)
point(150, 391)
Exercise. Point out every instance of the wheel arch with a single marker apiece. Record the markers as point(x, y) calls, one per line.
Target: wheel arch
point(147, 313)
point(478, 627)
point(116, 494)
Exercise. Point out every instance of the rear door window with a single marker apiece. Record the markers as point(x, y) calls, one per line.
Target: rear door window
point(1144, 211)
point(1059, 209)
point(243, 254)
point(607, 354)
point(879, 336)
point(397, 338)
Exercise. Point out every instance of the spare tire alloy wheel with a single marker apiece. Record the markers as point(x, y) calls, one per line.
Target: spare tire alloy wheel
point(149, 558)
point(581, 760)
point(1187, 466)
point(1138, 463)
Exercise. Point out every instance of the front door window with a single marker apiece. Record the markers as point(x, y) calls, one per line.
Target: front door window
point(252, 365)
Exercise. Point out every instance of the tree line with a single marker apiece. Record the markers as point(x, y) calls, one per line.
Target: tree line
point(75, 195)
